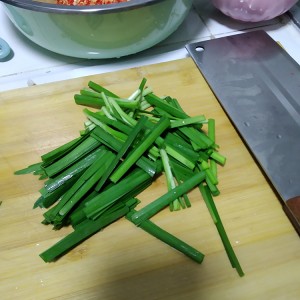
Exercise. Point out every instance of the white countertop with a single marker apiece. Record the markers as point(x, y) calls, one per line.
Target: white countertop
point(32, 64)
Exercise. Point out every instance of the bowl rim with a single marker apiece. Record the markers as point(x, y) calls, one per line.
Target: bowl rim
point(99, 9)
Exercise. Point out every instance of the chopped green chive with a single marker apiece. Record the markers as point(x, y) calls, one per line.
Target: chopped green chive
point(125, 144)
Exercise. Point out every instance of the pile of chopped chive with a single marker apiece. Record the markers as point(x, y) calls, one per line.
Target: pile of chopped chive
point(126, 143)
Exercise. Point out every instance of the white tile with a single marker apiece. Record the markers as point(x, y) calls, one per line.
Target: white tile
point(288, 35)
point(27, 55)
point(111, 66)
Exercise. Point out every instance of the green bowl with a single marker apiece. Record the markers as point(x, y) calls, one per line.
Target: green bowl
point(97, 32)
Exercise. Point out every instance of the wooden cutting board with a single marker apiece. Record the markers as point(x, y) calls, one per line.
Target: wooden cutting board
point(123, 262)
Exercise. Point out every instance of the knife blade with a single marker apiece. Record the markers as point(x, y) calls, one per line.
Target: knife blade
point(258, 85)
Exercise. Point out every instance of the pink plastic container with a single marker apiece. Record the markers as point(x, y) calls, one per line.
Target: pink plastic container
point(253, 10)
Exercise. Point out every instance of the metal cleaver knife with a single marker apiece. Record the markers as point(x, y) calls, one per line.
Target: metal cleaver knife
point(258, 85)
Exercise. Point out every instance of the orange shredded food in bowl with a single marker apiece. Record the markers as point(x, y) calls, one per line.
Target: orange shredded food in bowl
point(88, 2)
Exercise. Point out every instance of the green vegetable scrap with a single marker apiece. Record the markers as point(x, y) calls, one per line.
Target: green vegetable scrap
point(126, 143)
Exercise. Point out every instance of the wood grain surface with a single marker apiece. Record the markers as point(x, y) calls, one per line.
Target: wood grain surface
point(122, 261)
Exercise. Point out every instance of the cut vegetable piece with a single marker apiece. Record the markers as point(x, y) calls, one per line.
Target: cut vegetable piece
point(214, 168)
point(218, 157)
point(160, 127)
point(88, 182)
point(89, 100)
point(114, 123)
point(78, 167)
point(180, 156)
point(115, 133)
point(199, 139)
point(107, 139)
point(209, 174)
point(149, 166)
point(123, 150)
point(98, 88)
point(154, 207)
point(113, 194)
point(217, 220)
point(81, 150)
point(156, 101)
point(188, 121)
point(168, 238)
point(212, 187)
point(212, 129)
point(59, 152)
point(82, 232)
point(81, 187)
point(96, 100)
point(171, 184)
point(49, 198)
point(30, 169)
point(183, 172)
point(176, 139)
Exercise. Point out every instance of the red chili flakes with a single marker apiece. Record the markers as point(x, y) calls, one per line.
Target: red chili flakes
point(88, 2)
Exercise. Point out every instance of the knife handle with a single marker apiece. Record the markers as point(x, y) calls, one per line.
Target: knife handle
point(292, 209)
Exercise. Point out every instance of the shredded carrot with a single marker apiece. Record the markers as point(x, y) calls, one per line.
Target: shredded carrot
point(88, 2)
